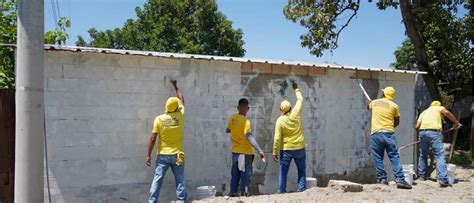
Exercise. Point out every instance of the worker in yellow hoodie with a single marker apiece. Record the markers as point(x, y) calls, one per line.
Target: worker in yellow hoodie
point(289, 141)
point(168, 128)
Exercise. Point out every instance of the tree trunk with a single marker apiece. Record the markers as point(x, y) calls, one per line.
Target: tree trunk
point(422, 60)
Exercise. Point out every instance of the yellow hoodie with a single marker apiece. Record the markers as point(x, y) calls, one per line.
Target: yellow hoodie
point(288, 129)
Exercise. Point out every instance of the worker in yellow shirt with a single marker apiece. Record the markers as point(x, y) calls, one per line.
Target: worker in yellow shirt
point(242, 153)
point(168, 128)
point(385, 117)
point(429, 126)
point(289, 139)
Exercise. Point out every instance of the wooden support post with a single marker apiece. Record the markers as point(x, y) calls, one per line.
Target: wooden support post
point(455, 136)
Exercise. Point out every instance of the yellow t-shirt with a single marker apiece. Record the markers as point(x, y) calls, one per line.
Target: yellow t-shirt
point(239, 126)
point(383, 113)
point(288, 129)
point(169, 127)
point(431, 118)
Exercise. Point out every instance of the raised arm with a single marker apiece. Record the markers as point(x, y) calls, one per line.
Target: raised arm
point(178, 92)
point(299, 102)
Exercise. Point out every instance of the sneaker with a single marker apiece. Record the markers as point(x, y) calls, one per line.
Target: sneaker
point(422, 178)
point(403, 185)
point(445, 184)
point(383, 181)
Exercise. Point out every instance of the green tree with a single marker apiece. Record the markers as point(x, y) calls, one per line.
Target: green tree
point(447, 40)
point(182, 26)
point(58, 35)
point(326, 19)
point(8, 36)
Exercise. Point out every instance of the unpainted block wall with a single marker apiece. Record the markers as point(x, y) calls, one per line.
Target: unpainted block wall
point(100, 108)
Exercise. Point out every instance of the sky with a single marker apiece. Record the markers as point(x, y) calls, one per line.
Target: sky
point(369, 41)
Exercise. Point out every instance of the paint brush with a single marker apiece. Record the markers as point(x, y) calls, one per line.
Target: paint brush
point(365, 92)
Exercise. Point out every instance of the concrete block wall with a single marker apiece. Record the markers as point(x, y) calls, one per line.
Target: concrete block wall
point(100, 108)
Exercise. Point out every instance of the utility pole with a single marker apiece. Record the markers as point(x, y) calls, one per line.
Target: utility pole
point(29, 141)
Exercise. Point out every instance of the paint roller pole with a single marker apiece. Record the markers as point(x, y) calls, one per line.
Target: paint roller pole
point(29, 131)
point(407, 145)
point(365, 92)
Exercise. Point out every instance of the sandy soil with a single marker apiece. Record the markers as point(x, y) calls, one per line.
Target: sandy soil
point(423, 191)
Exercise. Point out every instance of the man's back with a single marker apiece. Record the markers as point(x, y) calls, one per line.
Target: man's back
point(383, 113)
point(289, 127)
point(239, 126)
point(170, 127)
point(431, 118)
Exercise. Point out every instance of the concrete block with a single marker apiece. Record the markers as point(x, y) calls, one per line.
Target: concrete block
point(163, 63)
point(53, 70)
point(59, 57)
point(262, 67)
point(280, 69)
point(91, 59)
point(88, 72)
point(299, 70)
point(362, 74)
point(345, 186)
point(246, 67)
point(402, 77)
point(129, 61)
point(315, 71)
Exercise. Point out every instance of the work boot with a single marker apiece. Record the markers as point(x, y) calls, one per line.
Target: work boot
point(383, 181)
point(403, 185)
point(445, 184)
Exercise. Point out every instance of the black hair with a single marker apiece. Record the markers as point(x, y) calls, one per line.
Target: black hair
point(243, 102)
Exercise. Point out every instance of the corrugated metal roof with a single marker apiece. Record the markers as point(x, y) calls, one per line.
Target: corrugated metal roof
point(217, 58)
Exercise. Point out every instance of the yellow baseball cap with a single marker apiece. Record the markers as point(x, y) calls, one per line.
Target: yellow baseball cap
point(435, 103)
point(285, 106)
point(171, 104)
point(389, 92)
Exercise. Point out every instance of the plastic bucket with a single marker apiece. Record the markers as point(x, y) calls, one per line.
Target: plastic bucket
point(451, 170)
point(207, 191)
point(311, 182)
point(408, 172)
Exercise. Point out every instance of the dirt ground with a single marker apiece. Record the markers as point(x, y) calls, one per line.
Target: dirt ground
point(423, 191)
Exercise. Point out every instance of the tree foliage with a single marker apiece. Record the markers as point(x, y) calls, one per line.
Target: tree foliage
point(58, 35)
point(7, 36)
point(447, 39)
point(435, 36)
point(182, 26)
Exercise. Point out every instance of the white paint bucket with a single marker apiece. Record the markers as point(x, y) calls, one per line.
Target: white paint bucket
point(207, 191)
point(311, 182)
point(408, 172)
point(451, 170)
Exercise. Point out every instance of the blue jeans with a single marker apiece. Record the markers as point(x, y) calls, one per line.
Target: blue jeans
point(433, 140)
point(379, 143)
point(299, 156)
point(239, 176)
point(163, 162)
